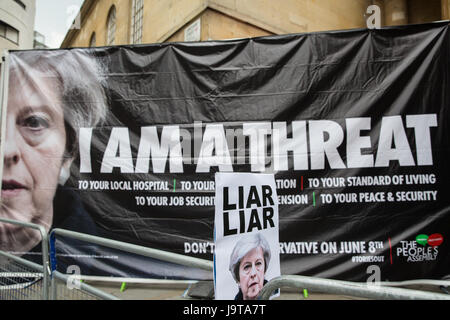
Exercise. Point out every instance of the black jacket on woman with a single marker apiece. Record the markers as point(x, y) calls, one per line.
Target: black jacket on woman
point(240, 296)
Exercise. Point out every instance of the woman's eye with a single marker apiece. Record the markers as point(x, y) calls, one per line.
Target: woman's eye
point(35, 123)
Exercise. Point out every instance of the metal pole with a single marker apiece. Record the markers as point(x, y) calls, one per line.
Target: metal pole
point(144, 251)
point(347, 288)
point(53, 287)
point(4, 81)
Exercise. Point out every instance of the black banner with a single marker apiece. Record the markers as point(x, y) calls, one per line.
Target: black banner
point(354, 124)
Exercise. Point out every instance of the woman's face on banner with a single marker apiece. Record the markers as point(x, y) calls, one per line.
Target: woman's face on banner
point(33, 156)
point(251, 273)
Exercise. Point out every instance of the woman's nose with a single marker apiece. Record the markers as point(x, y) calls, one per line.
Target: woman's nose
point(11, 153)
point(253, 271)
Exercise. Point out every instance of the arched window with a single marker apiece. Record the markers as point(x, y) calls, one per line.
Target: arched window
point(111, 30)
point(136, 21)
point(93, 40)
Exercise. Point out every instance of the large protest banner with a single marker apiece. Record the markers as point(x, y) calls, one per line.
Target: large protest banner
point(123, 142)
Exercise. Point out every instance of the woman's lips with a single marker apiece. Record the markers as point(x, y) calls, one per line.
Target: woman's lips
point(11, 188)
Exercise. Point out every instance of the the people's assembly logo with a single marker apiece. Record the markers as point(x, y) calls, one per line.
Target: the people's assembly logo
point(423, 248)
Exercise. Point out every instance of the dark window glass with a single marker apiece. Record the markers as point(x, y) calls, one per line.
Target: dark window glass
point(8, 32)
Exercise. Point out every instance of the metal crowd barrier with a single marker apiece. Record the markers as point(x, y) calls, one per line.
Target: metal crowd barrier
point(132, 248)
point(19, 276)
point(21, 279)
point(347, 288)
point(118, 245)
point(337, 287)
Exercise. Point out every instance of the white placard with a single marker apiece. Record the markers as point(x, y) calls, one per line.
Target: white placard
point(246, 235)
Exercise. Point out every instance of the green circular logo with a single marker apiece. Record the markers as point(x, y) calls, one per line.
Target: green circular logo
point(422, 239)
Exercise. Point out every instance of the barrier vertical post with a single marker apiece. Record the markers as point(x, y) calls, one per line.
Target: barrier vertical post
point(4, 81)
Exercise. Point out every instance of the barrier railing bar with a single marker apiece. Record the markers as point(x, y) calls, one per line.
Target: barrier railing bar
point(140, 250)
point(84, 287)
point(44, 243)
point(363, 290)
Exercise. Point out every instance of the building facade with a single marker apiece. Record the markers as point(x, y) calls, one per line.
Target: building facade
point(39, 41)
point(17, 24)
point(116, 22)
